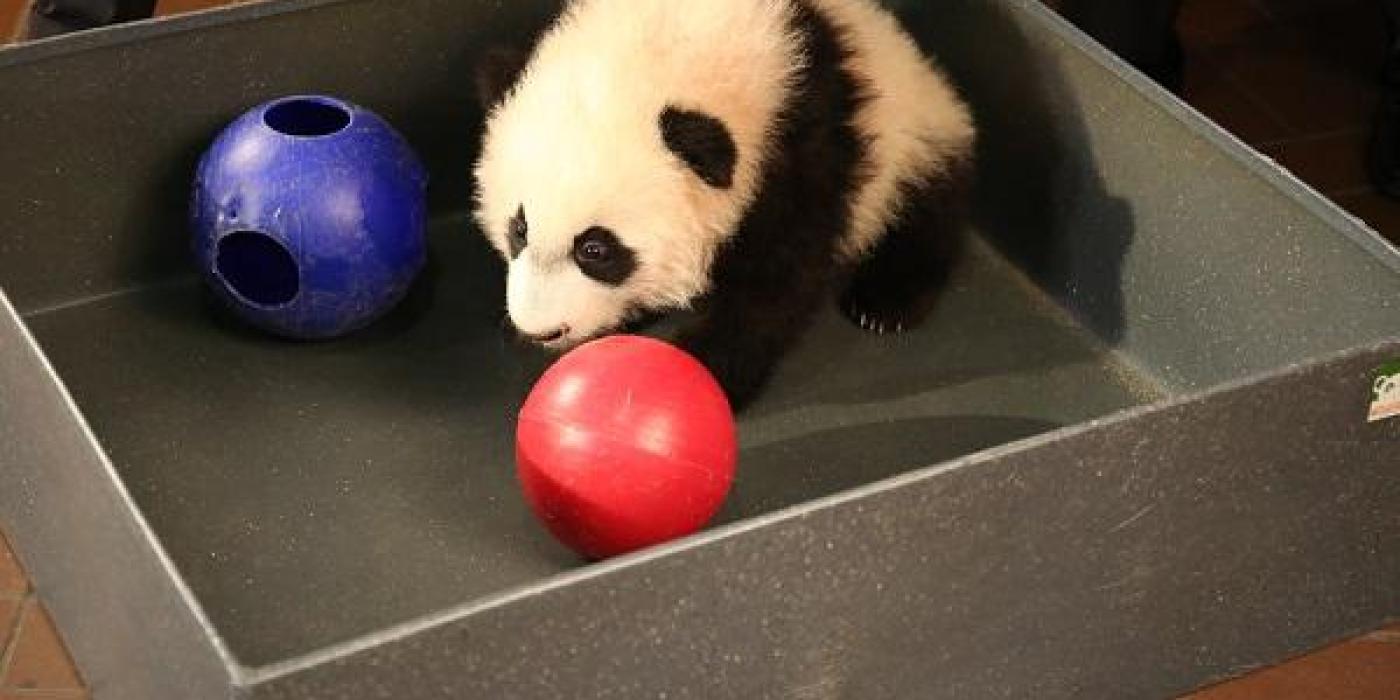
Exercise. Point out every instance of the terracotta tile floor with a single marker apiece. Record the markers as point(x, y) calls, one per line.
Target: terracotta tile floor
point(1296, 79)
point(33, 662)
point(1299, 81)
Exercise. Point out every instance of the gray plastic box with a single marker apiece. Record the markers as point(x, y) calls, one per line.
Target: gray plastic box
point(1129, 455)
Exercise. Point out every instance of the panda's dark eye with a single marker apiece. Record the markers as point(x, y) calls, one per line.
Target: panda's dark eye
point(594, 252)
point(516, 233)
point(600, 255)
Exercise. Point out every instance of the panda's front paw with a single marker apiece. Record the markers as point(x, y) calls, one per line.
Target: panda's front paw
point(876, 314)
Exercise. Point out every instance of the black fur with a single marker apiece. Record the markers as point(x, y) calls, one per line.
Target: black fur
point(518, 233)
point(778, 270)
point(601, 255)
point(499, 67)
point(497, 72)
point(701, 142)
point(895, 288)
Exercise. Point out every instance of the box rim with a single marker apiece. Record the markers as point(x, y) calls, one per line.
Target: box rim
point(131, 509)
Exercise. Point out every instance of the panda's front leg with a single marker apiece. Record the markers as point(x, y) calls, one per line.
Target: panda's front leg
point(749, 322)
point(740, 349)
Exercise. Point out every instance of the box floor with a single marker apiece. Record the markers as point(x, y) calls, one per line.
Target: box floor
point(311, 493)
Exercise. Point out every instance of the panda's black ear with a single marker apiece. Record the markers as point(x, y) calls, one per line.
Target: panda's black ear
point(497, 71)
point(703, 142)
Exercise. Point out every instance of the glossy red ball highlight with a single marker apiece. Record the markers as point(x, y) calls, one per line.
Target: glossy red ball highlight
point(625, 442)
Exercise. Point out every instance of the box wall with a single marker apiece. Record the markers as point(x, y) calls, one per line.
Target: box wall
point(107, 133)
point(1199, 260)
point(1139, 557)
point(132, 628)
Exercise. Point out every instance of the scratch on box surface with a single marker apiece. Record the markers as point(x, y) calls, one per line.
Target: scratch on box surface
point(1135, 517)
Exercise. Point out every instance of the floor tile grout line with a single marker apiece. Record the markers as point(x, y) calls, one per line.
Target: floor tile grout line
point(1260, 103)
point(1359, 130)
point(1239, 88)
point(1263, 9)
point(1259, 8)
point(7, 654)
point(1356, 191)
point(1243, 88)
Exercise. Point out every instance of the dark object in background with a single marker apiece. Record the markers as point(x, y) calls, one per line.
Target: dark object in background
point(1384, 156)
point(1143, 33)
point(46, 18)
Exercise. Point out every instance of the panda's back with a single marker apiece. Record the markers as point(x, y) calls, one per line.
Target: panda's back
point(913, 120)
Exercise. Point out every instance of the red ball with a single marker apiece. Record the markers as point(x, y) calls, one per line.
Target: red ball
point(624, 443)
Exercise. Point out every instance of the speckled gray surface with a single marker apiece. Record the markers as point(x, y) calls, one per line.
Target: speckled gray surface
point(1133, 559)
point(315, 493)
point(1164, 234)
point(84, 546)
point(310, 494)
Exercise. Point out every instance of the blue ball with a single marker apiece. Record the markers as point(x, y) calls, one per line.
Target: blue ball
point(309, 217)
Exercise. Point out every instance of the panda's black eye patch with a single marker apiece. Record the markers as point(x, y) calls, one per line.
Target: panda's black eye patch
point(601, 255)
point(516, 233)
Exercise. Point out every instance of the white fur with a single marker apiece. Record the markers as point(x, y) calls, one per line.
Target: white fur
point(577, 143)
point(914, 121)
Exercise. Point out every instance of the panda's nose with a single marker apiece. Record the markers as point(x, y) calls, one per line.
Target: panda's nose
point(548, 336)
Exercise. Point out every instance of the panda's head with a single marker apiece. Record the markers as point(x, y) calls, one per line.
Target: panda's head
point(600, 228)
point(608, 199)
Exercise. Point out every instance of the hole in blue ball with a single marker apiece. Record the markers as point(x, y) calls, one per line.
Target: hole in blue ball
point(306, 118)
point(257, 268)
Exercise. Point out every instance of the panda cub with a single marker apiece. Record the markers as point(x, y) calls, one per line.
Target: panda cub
point(737, 158)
